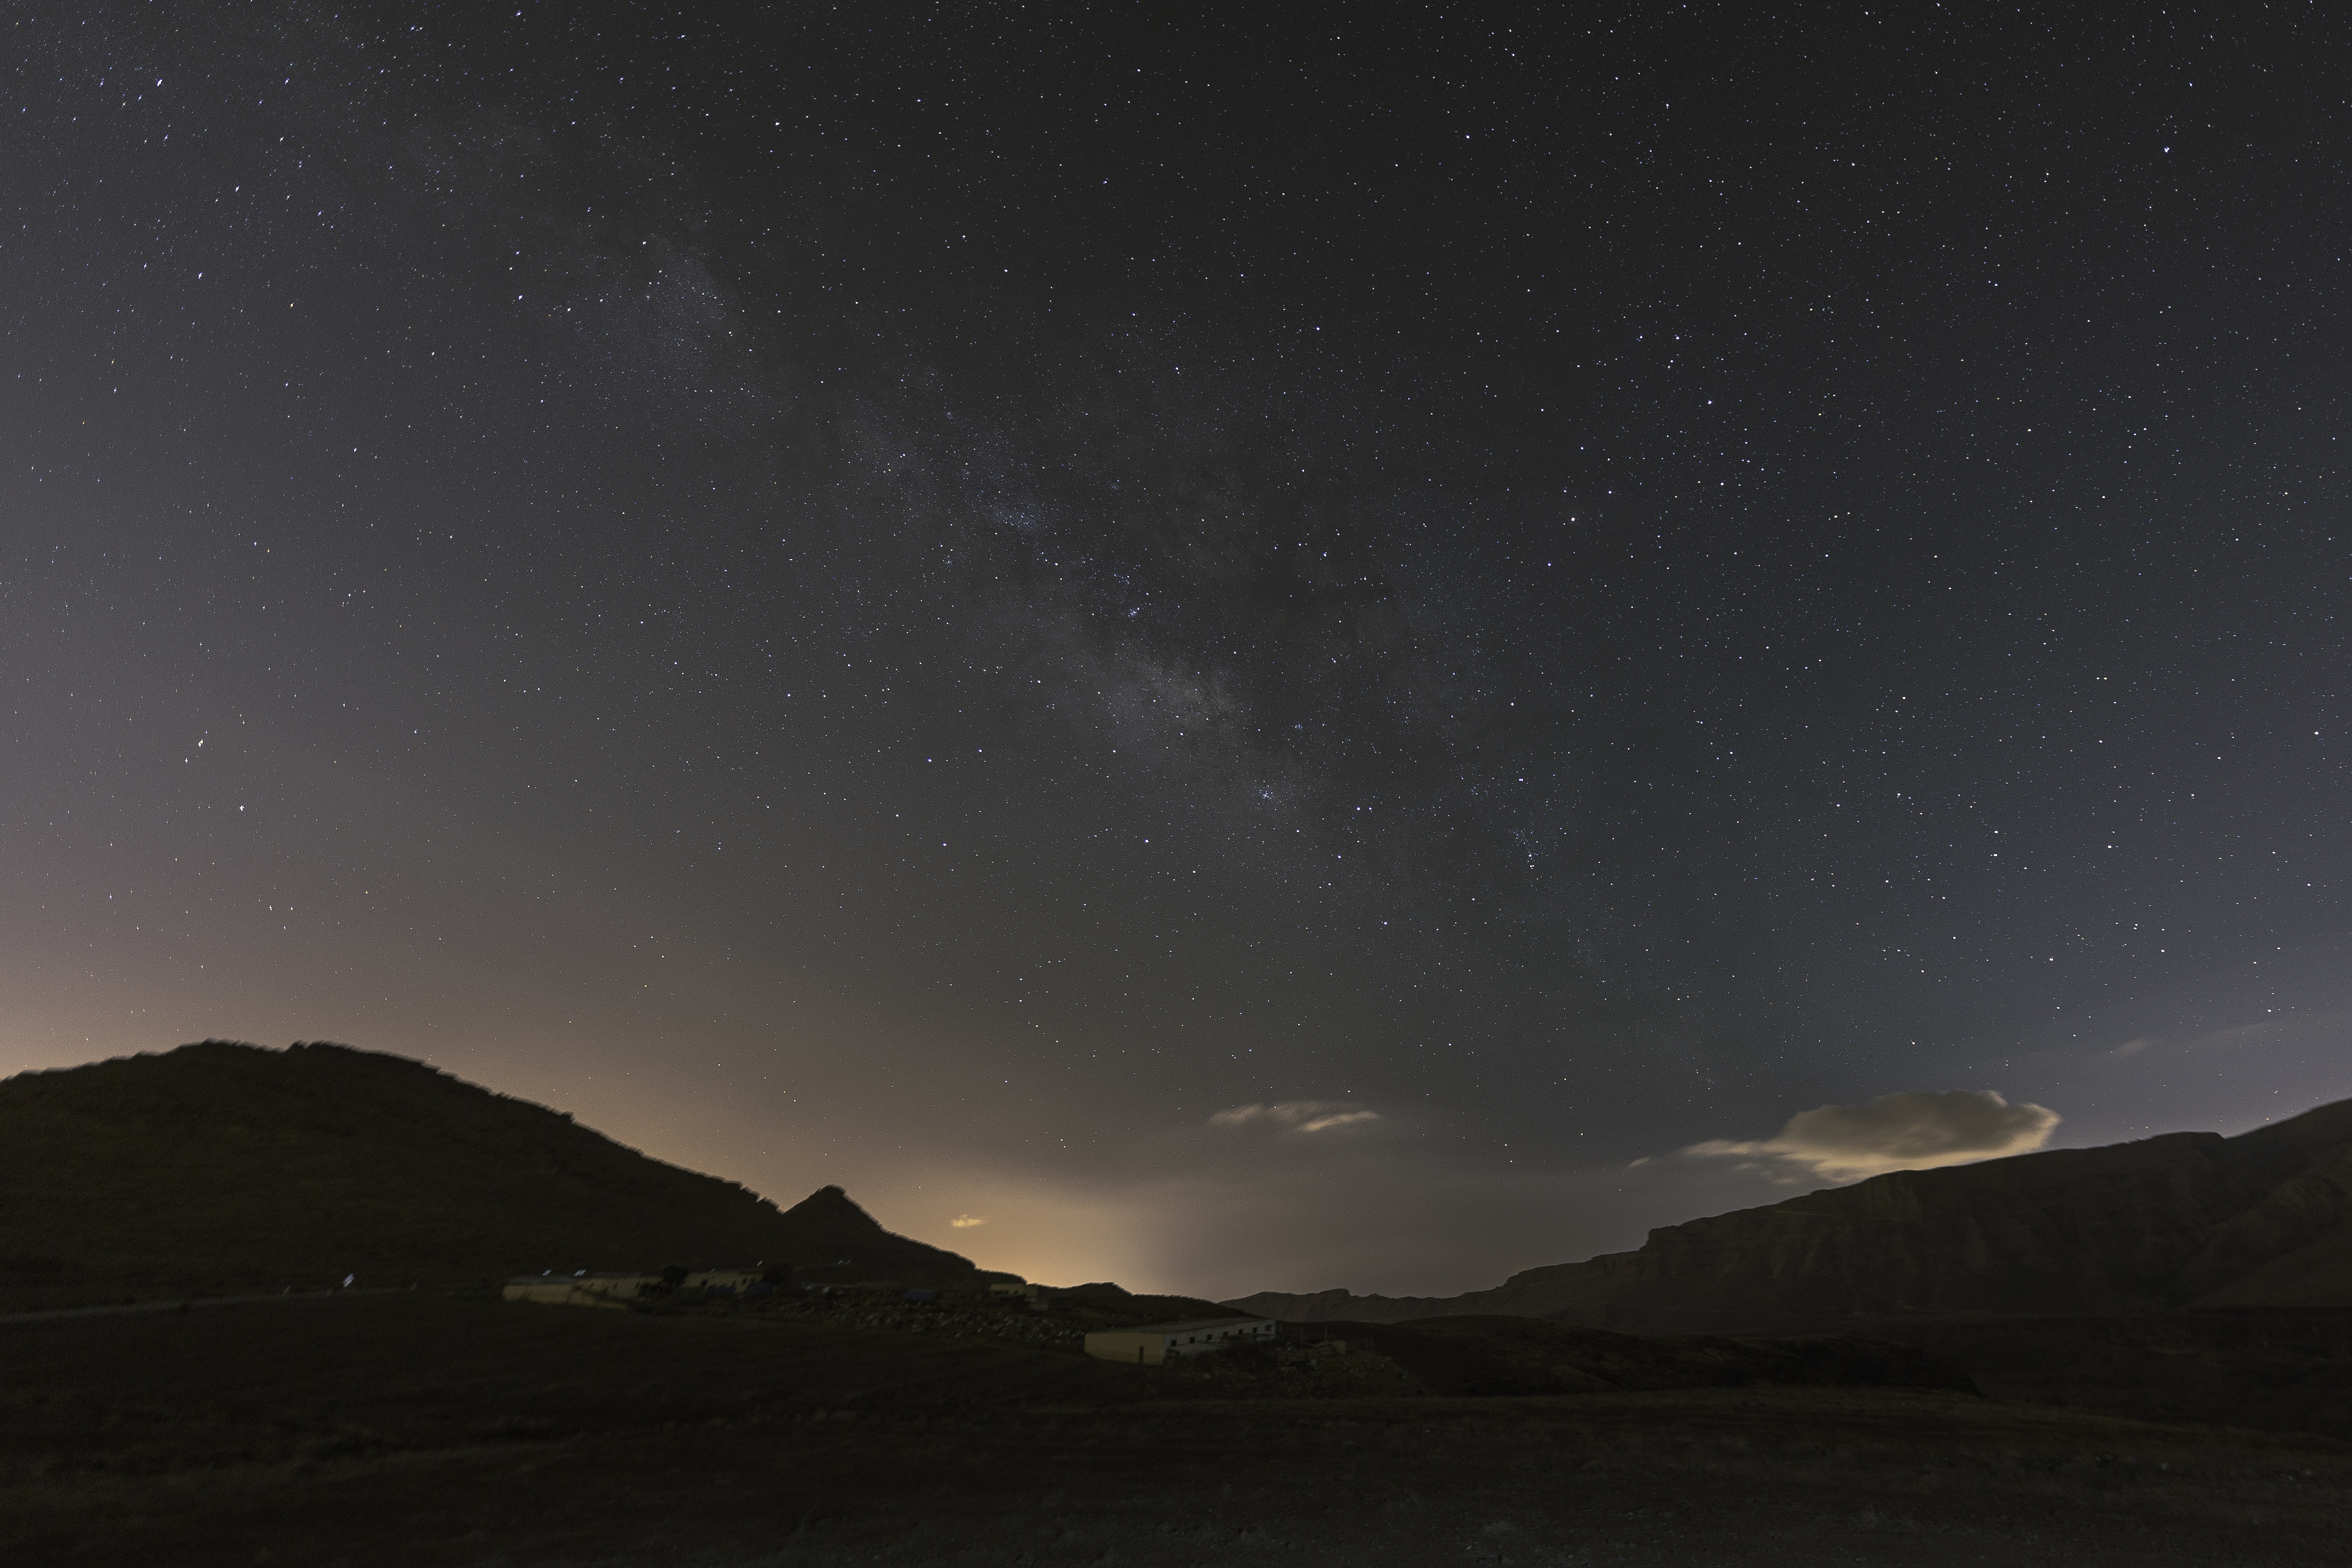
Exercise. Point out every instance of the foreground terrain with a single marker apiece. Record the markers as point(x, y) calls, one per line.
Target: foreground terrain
point(418, 1429)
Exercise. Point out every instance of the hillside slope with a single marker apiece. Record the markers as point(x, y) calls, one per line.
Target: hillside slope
point(225, 1166)
point(2188, 1220)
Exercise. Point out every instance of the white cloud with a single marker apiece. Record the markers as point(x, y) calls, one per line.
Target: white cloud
point(1915, 1131)
point(966, 1221)
point(1296, 1115)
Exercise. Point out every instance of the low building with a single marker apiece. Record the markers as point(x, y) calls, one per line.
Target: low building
point(554, 1288)
point(998, 1289)
point(1156, 1345)
point(579, 1289)
point(619, 1289)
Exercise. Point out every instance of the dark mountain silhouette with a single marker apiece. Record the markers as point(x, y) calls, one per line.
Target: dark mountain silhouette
point(225, 1166)
point(2188, 1219)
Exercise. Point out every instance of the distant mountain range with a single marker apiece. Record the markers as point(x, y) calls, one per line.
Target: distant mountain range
point(2188, 1220)
point(225, 1166)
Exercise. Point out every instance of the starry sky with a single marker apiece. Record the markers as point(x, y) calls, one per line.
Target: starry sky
point(1272, 649)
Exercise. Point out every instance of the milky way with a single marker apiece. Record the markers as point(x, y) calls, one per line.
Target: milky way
point(1243, 655)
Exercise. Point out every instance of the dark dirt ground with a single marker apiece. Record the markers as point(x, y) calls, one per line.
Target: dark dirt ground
point(423, 1429)
point(2280, 1369)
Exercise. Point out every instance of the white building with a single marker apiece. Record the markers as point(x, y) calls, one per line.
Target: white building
point(1156, 1345)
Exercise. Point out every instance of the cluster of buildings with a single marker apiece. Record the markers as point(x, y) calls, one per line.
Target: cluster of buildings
point(1149, 1344)
point(586, 1289)
point(592, 1290)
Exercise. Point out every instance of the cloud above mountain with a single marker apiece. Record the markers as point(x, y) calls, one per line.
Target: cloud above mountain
point(1913, 1131)
point(1296, 1115)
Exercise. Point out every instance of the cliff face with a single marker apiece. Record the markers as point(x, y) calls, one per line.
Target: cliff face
point(227, 1166)
point(2187, 1219)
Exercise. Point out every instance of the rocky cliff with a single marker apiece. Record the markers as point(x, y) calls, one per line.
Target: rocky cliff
point(225, 1166)
point(2184, 1221)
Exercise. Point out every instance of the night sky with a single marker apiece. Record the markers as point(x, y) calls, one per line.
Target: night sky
point(1225, 653)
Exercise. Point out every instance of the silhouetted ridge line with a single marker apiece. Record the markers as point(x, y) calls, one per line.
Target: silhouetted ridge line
point(225, 1166)
point(2184, 1221)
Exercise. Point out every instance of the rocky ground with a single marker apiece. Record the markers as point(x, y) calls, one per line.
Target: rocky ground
point(955, 1318)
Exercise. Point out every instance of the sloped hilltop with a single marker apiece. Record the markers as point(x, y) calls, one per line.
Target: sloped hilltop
point(225, 1166)
point(2188, 1219)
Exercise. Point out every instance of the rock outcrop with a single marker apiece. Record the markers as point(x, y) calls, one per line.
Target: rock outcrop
point(222, 1167)
point(2188, 1220)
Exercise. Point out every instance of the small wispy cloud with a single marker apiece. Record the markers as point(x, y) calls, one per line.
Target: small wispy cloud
point(1296, 1115)
point(1915, 1131)
point(966, 1221)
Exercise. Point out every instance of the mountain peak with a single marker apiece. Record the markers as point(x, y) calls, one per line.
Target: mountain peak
point(833, 1202)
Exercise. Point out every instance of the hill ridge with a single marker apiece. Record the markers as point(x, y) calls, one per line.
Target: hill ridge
point(224, 1165)
point(2179, 1219)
